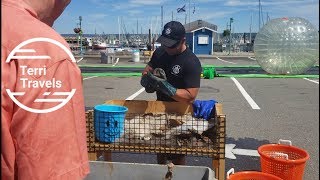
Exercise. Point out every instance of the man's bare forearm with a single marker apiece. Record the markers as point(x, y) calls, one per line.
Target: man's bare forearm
point(186, 95)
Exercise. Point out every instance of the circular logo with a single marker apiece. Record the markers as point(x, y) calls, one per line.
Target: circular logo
point(176, 69)
point(30, 83)
point(168, 31)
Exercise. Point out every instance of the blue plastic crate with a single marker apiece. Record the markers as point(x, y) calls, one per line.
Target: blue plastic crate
point(109, 122)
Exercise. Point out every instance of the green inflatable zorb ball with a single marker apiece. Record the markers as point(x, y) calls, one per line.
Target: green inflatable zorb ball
point(287, 46)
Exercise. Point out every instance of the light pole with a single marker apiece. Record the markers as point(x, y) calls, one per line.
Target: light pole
point(231, 21)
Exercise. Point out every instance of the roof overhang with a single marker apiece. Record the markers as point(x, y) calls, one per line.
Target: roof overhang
point(203, 28)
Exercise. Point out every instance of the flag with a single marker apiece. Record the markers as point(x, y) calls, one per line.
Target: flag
point(183, 9)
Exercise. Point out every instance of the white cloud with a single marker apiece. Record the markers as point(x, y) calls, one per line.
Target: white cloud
point(104, 3)
point(123, 6)
point(209, 1)
point(134, 12)
point(238, 3)
point(235, 3)
point(215, 15)
point(147, 2)
point(307, 11)
point(137, 4)
point(97, 16)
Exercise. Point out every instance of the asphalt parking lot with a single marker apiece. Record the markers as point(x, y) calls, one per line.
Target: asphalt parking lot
point(288, 108)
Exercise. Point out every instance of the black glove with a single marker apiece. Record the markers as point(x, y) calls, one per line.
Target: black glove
point(159, 84)
point(148, 85)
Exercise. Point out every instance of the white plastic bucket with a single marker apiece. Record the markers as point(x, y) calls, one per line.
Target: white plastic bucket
point(136, 56)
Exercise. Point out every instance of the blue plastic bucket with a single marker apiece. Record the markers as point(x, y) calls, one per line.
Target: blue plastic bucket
point(109, 122)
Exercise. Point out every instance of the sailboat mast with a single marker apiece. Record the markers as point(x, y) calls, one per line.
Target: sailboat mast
point(189, 14)
point(185, 20)
point(119, 30)
point(172, 16)
point(161, 17)
point(262, 16)
point(259, 13)
point(250, 26)
point(151, 28)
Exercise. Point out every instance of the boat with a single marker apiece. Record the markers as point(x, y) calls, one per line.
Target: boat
point(97, 44)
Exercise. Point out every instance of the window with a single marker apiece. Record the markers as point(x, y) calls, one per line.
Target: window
point(203, 39)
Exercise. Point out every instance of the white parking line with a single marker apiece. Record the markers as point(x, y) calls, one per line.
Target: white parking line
point(225, 61)
point(116, 62)
point(245, 94)
point(89, 77)
point(317, 82)
point(135, 94)
point(252, 58)
point(80, 59)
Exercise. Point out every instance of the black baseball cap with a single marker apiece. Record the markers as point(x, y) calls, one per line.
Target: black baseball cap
point(172, 33)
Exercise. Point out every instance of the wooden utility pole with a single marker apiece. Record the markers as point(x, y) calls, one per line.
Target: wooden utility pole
point(150, 38)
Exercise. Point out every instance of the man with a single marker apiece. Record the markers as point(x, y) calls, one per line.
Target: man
point(48, 145)
point(180, 78)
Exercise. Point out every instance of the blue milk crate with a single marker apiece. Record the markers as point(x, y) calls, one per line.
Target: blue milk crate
point(109, 122)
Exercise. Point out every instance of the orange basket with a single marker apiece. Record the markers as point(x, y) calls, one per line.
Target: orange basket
point(283, 160)
point(250, 175)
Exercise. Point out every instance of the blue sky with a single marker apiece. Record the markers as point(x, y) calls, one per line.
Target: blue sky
point(102, 15)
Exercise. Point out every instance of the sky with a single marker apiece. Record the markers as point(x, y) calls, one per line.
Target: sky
point(128, 16)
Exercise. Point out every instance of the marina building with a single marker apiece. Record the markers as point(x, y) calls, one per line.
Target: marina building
point(201, 36)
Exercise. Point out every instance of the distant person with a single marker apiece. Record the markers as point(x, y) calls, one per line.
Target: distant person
point(40, 146)
point(182, 71)
point(149, 47)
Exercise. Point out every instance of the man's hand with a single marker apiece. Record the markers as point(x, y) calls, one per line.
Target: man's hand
point(144, 81)
point(147, 83)
point(147, 69)
point(158, 84)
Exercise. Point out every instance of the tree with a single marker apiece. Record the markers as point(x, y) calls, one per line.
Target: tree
point(226, 32)
point(77, 30)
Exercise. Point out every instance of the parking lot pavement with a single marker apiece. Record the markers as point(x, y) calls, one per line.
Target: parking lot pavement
point(288, 109)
